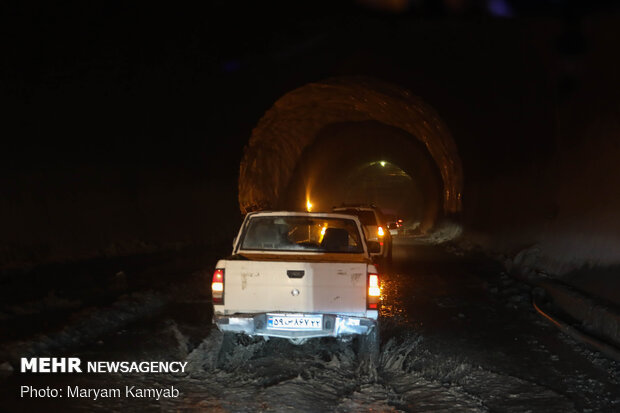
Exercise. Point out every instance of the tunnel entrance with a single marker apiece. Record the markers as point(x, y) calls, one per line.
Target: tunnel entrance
point(367, 163)
point(324, 140)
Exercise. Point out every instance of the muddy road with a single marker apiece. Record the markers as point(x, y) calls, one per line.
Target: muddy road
point(457, 336)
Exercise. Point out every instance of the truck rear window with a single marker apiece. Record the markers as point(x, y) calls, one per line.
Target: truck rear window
point(312, 234)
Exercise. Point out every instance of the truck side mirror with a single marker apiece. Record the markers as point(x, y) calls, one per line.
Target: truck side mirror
point(374, 247)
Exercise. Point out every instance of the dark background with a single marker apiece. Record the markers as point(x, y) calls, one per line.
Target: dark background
point(124, 124)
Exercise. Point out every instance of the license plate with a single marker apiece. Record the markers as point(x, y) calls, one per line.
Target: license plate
point(294, 322)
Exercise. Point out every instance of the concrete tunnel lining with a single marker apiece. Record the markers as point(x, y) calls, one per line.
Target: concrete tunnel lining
point(292, 124)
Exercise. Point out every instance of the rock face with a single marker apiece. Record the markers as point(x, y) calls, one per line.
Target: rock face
point(293, 123)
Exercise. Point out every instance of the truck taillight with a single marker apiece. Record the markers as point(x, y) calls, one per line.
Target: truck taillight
point(373, 285)
point(374, 291)
point(217, 286)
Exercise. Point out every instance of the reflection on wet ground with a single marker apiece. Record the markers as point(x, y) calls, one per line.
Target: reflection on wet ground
point(456, 337)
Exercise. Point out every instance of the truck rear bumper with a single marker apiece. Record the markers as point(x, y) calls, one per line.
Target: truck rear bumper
point(256, 324)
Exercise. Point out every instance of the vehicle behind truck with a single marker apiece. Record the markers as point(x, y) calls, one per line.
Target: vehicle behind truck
point(299, 275)
point(374, 226)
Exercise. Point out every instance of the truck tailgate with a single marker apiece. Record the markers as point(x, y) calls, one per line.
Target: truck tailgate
point(313, 287)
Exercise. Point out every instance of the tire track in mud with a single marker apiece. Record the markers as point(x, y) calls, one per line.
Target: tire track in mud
point(326, 375)
point(445, 383)
point(412, 375)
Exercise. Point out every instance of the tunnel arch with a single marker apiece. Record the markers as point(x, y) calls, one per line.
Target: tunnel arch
point(297, 119)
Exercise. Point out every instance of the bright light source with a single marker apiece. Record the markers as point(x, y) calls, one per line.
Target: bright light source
point(309, 205)
point(374, 291)
point(323, 229)
point(373, 285)
point(382, 163)
point(380, 231)
point(217, 286)
point(218, 275)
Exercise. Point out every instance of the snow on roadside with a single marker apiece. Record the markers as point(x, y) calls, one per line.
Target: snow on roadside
point(50, 302)
point(444, 232)
point(86, 325)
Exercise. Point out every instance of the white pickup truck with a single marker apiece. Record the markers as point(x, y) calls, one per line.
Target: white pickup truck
point(299, 275)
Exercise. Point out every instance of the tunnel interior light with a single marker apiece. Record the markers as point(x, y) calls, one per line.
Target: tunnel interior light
point(382, 163)
point(380, 231)
point(309, 205)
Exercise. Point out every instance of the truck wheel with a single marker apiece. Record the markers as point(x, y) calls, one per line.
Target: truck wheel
point(237, 348)
point(369, 346)
point(205, 356)
point(229, 342)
